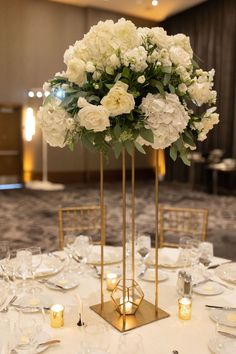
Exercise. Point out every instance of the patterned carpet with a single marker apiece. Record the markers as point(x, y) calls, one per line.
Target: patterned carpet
point(30, 217)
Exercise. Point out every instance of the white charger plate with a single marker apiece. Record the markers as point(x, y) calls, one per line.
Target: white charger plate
point(227, 272)
point(220, 344)
point(209, 288)
point(31, 303)
point(149, 275)
point(66, 280)
point(166, 260)
point(49, 266)
point(111, 256)
point(223, 317)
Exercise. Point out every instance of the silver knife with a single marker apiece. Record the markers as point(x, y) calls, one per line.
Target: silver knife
point(229, 308)
point(226, 334)
point(38, 308)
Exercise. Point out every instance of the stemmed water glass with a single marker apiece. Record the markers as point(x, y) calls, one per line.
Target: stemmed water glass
point(130, 341)
point(36, 262)
point(184, 248)
point(4, 253)
point(96, 339)
point(69, 242)
point(83, 246)
point(24, 265)
point(143, 247)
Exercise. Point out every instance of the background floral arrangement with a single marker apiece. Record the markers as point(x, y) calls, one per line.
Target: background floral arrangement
point(126, 87)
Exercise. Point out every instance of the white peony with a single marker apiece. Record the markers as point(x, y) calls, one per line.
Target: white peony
point(136, 58)
point(76, 71)
point(179, 56)
point(166, 117)
point(180, 40)
point(201, 93)
point(118, 101)
point(159, 37)
point(53, 120)
point(94, 118)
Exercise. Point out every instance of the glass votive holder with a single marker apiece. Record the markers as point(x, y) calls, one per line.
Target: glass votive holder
point(185, 308)
point(111, 280)
point(57, 316)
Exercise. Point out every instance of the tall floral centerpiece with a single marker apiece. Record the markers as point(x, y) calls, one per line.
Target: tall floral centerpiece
point(123, 88)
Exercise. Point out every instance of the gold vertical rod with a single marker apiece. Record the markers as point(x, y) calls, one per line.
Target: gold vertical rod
point(102, 224)
point(156, 225)
point(133, 213)
point(124, 232)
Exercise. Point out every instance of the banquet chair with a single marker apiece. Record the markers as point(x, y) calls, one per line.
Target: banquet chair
point(176, 222)
point(78, 220)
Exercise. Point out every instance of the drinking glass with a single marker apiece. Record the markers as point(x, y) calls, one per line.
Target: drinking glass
point(206, 253)
point(10, 269)
point(143, 246)
point(184, 248)
point(36, 262)
point(83, 247)
point(27, 331)
point(194, 250)
point(4, 289)
point(96, 339)
point(4, 253)
point(4, 335)
point(24, 265)
point(130, 343)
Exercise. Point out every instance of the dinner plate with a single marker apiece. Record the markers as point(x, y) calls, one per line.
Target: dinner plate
point(166, 259)
point(209, 288)
point(220, 344)
point(31, 303)
point(149, 275)
point(111, 256)
point(227, 272)
point(223, 317)
point(66, 280)
point(48, 266)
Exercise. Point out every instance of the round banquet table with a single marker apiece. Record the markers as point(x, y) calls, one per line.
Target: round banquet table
point(161, 337)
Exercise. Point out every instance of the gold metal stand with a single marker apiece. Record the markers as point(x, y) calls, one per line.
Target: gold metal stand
point(147, 312)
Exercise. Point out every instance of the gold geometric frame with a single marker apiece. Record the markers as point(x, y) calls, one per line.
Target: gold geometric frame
point(147, 312)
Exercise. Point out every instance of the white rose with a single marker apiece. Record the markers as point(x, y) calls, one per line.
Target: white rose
point(82, 102)
point(52, 119)
point(76, 71)
point(118, 101)
point(182, 88)
point(166, 117)
point(90, 68)
point(179, 56)
point(114, 61)
point(160, 38)
point(94, 118)
point(141, 79)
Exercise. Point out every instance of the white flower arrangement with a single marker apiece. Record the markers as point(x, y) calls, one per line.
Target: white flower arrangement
point(126, 87)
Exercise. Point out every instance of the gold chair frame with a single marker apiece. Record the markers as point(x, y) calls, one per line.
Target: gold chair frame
point(184, 216)
point(76, 214)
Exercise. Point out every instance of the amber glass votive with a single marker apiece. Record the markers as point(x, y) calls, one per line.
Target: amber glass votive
point(111, 279)
point(185, 308)
point(57, 316)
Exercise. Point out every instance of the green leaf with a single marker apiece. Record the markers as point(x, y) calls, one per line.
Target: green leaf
point(184, 158)
point(173, 152)
point(188, 139)
point(167, 69)
point(195, 64)
point(126, 72)
point(117, 149)
point(87, 143)
point(147, 135)
point(118, 76)
point(129, 147)
point(139, 148)
point(160, 87)
point(166, 79)
point(93, 98)
point(67, 101)
point(117, 131)
point(109, 86)
point(171, 88)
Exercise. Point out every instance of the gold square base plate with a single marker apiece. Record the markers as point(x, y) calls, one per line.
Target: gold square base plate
point(145, 314)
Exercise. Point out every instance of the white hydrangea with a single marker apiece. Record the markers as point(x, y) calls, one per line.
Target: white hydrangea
point(136, 58)
point(53, 120)
point(166, 117)
point(159, 37)
point(209, 119)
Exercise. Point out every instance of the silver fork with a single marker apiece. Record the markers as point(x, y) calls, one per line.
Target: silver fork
point(5, 309)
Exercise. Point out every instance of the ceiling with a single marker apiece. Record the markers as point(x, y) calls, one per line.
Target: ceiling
point(138, 8)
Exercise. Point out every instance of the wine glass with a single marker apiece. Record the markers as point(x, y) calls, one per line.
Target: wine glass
point(83, 246)
point(96, 339)
point(4, 253)
point(184, 248)
point(11, 268)
point(27, 331)
point(206, 251)
point(69, 242)
point(128, 341)
point(24, 265)
point(144, 247)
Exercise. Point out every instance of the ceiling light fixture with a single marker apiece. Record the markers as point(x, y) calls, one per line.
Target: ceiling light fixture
point(154, 2)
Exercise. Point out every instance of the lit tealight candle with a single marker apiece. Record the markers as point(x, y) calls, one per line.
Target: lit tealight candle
point(185, 308)
point(128, 305)
point(111, 279)
point(57, 316)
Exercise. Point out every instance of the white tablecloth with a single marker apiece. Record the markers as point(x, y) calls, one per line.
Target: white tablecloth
point(161, 337)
